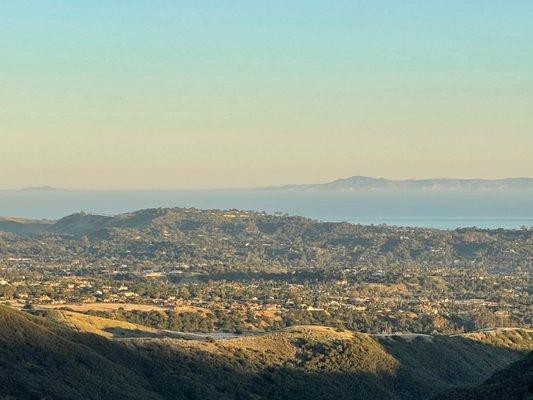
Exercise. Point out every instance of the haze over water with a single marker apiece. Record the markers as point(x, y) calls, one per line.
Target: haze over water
point(443, 209)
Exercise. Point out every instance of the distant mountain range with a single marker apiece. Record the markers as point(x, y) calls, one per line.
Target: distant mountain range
point(351, 183)
point(369, 183)
point(437, 203)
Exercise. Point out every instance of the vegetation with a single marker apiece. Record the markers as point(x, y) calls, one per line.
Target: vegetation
point(403, 313)
point(208, 270)
point(512, 383)
point(223, 241)
point(40, 358)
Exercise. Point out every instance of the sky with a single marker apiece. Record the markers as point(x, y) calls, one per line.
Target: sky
point(222, 94)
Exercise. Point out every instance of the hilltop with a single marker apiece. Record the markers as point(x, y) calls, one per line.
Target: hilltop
point(237, 238)
point(46, 358)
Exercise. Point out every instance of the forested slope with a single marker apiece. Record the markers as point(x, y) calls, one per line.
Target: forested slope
point(512, 383)
point(246, 239)
point(45, 359)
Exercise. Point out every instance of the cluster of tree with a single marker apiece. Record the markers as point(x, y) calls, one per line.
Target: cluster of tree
point(238, 321)
point(224, 241)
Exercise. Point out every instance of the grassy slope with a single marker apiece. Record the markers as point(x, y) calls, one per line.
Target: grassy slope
point(46, 358)
point(357, 365)
point(422, 364)
point(109, 328)
point(40, 359)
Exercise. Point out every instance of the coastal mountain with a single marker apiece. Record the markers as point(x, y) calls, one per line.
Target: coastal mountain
point(41, 189)
point(237, 238)
point(42, 358)
point(368, 183)
point(356, 182)
point(444, 203)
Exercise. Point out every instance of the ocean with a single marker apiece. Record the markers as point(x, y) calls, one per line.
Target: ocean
point(443, 209)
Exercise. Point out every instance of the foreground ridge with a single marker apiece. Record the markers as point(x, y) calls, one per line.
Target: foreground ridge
point(45, 357)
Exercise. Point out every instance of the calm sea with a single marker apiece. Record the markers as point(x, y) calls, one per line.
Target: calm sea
point(437, 209)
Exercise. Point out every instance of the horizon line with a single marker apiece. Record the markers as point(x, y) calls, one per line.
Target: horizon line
point(156, 189)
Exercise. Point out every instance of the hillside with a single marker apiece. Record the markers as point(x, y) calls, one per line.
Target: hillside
point(108, 328)
point(24, 226)
point(79, 224)
point(512, 383)
point(40, 358)
point(243, 238)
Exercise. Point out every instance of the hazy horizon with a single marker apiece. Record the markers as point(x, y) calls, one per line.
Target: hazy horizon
point(281, 185)
point(129, 105)
point(230, 199)
point(448, 209)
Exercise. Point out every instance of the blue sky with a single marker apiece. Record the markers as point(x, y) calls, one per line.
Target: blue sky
point(247, 93)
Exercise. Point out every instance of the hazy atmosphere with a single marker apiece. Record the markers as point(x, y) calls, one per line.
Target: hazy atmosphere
point(166, 94)
point(266, 200)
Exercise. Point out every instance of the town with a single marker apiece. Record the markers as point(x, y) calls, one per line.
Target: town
point(411, 299)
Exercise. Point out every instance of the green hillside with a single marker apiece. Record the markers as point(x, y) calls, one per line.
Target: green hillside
point(512, 383)
point(42, 360)
point(45, 359)
point(232, 238)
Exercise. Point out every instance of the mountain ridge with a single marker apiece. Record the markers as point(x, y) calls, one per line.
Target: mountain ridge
point(41, 358)
point(370, 183)
point(191, 233)
point(354, 182)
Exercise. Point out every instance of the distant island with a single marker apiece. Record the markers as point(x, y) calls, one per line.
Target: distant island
point(356, 182)
point(436, 203)
point(369, 183)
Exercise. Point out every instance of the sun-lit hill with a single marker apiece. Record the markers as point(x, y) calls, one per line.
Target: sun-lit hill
point(236, 239)
point(232, 238)
point(393, 367)
point(42, 360)
point(504, 337)
point(108, 328)
point(85, 223)
point(66, 355)
point(101, 326)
